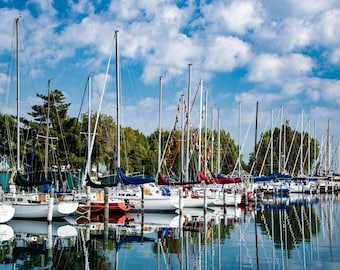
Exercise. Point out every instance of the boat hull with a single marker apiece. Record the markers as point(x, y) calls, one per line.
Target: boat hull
point(156, 203)
point(6, 213)
point(40, 210)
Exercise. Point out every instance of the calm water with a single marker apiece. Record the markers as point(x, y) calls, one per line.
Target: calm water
point(299, 232)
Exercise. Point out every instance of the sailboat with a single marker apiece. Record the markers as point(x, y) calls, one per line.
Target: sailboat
point(126, 193)
point(96, 197)
point(34, 205)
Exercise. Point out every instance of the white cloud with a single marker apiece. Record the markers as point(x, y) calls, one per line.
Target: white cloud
point(331, 91)
point(326, 28)
point(281, 52)
point(274, 69)
point(334, 57)
point(226, 54)
point(237, 17)
point(309, 8)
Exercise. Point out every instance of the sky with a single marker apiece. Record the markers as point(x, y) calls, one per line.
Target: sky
point(284, 54)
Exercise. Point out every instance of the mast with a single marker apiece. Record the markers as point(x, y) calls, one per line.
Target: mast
point(200, 127)
point(271, 144)
point(280, 142)
point(206, 132)
point(118, 99)
point(89, 122)
point(182, 138)
point(239, 140)
point(327, 150)
point(159, 124)
point(18, 91)
point(188, 127)
point(255, 149)
point(47, 129)
point(99, 109)
point(309, 156)
point(301, 144)
point(218, 142)
point(212, 139)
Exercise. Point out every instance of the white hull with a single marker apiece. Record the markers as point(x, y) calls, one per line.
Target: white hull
point(6, 212)
point(231, 199)
point(36, 205)
point(40, 210)
point(193, 202)
point(156, 203)
point(154, 200)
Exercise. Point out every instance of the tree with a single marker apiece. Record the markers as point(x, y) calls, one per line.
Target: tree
point(64, 132)
point(286, 151)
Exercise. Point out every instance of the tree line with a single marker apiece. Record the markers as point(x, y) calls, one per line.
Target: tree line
point(68, 136)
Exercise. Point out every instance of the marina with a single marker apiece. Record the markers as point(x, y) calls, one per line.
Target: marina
point(96, 183)
point(293, 232)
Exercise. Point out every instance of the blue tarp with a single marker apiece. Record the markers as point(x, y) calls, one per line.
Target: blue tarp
point(132, 180)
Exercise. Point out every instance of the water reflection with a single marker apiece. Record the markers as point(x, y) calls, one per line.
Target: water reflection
point(295, 232)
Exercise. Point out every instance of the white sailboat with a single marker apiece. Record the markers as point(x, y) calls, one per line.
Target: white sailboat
point(138, 193)
point(35, 204)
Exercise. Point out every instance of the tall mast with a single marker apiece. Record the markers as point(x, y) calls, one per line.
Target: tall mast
point(256, 124)
point(301, 144)
point(206, 132)
point(47, 129)
point(280, 141)
point(182, 139)
point(89, 86)
point(200, 128)
point(159, 124)
point(271, 144)
point(212, 139)
point(239, 140)
point(18, 92)
point(327, 149)
point(118, 99)
point(218, 142)
point(188, 126)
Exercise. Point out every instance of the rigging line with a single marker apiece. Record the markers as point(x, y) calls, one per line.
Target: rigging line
point(241, 150)
point(9, 72)
point(258, 151)
point(100, 104)
point(33, 82)
point(169, 142)
point(290, 148)
point(7, 87)
point(186, 124)
point(268, 146)
point(82, 100)
point(61, 130)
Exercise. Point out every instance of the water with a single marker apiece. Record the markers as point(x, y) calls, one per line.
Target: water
point(296, 232)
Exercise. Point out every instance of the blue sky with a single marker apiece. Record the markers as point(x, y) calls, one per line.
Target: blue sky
point(280, 53)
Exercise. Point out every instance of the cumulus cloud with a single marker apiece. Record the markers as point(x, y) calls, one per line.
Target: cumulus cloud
point(236, 17)
point(283, 52)
point(274, 69)
point(226, 54)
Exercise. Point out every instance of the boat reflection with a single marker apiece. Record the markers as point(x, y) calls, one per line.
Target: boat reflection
point(280, 233)
point(36, 244)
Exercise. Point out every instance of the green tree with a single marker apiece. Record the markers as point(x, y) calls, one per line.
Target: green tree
point(286, 151)
point(64, 132)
